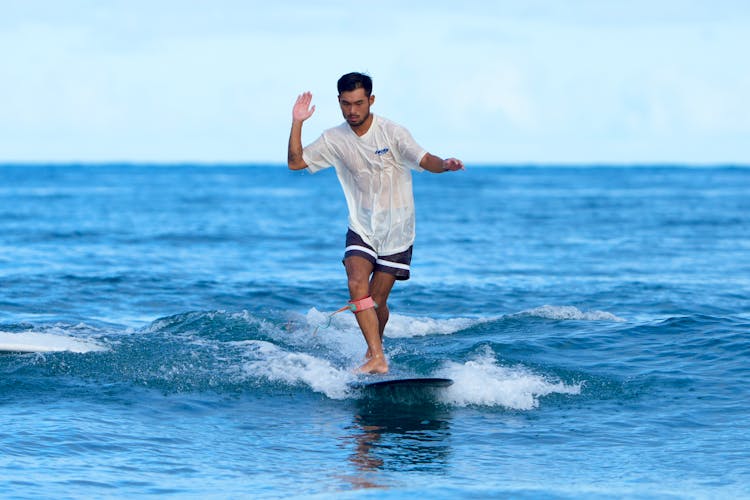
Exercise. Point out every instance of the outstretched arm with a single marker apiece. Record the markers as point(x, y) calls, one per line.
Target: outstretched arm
point(301, 112)
point(437, 165)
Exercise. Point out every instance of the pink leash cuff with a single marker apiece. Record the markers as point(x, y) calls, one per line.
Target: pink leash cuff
point(357, 306)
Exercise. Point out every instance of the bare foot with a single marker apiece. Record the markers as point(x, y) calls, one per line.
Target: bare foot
point(377, 364)
point(368, 355)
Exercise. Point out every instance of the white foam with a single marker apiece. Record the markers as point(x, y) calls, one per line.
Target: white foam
point(277, 365)
point(569, 313)
point(342, 336)
point(483, 382)
point(45, 342)
point(343, 327)
point(399, 325)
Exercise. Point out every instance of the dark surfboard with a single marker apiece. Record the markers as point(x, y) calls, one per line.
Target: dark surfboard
point(411, 383)
point(406, 391)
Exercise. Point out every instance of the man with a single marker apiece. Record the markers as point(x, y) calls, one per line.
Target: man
point(372, 157)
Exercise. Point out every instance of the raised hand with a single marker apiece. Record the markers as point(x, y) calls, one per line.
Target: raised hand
point(302, 110)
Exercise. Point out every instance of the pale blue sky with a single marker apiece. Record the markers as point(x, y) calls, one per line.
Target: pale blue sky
point(505, 82)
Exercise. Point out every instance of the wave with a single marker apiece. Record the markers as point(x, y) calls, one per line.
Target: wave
point(477, 382)
point(399, 325)
point(568, 313)
point(227, 352)
point(484, 382)
point(269, 361)
point(405, 326)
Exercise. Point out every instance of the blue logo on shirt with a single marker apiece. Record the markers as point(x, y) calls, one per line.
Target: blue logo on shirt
point(381, 152)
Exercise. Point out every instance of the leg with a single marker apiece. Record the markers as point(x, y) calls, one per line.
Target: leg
point(358, 270)
point(380, 288)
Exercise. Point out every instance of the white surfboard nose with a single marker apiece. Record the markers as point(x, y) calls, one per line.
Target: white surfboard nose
point(25, 342)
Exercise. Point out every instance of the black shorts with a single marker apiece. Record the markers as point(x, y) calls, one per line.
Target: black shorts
point(396, 264)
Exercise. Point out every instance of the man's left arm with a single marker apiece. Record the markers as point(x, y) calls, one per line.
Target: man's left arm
point(437, 165)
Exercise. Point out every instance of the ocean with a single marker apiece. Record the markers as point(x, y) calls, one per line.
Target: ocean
point(595, 321)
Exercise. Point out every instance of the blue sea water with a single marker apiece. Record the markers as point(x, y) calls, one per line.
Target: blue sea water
point(595, 321)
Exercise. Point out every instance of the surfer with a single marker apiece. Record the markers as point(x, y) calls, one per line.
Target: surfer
point(373, 158)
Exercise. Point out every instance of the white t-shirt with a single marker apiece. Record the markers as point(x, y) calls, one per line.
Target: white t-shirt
point(375, 173)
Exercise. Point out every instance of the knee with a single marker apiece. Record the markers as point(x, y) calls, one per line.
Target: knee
point(359, 285)
point(381, 302)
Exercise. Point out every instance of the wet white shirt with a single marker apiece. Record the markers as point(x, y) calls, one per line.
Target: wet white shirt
point(375, 173)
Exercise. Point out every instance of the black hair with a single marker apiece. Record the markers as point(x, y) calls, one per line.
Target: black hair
point(353, 81)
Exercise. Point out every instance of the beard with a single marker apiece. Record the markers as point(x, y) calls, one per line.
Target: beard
point(357, 121)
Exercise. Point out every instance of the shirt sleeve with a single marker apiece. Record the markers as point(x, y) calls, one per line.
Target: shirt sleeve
point(411, 152)
point(318, 155)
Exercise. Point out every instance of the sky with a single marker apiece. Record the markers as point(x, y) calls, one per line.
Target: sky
point(504, 82)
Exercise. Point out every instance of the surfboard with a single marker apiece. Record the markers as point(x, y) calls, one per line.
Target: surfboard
point(402, 391)
point(405, 383)
point(26, 342)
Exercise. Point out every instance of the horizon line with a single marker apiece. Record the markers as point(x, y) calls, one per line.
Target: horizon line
point(219, 164)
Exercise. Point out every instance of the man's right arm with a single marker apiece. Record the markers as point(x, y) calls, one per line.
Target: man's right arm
point(294, 157)
point(301, 112)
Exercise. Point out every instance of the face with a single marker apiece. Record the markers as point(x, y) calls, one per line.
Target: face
point(355, 106)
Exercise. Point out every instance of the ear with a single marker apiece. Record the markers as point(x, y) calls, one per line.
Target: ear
point(372, 99)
